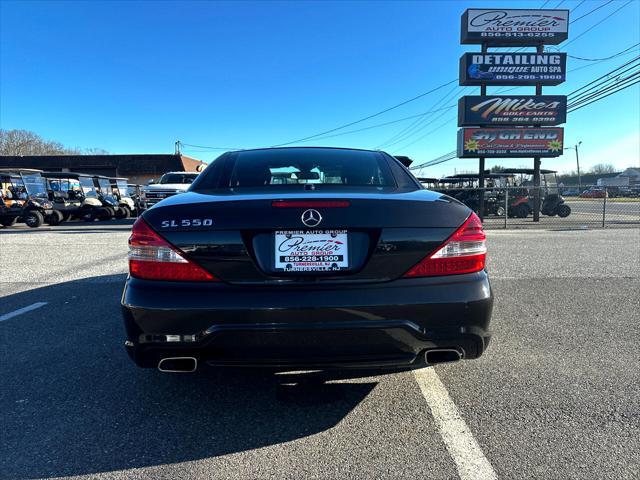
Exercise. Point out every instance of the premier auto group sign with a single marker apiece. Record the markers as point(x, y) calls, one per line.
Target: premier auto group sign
point(499, 27)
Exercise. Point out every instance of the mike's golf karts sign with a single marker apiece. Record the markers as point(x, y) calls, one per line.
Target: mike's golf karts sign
point(504, 27)
point(510, 142)
point(512, 110)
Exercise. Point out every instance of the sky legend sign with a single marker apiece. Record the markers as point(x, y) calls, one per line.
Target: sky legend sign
point(512, 110)
point(513, 68)
point(510, 142)
point(507, 27)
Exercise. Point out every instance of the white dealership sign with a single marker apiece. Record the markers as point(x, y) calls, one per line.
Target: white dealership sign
point(503, 27)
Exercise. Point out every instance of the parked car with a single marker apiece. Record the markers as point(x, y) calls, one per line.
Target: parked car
point(350, 264)
point(594, 193)
point(571, 192)
point(170, 184)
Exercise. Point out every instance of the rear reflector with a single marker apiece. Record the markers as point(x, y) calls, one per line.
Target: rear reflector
point(310, 203)
point(463, 252)
point(151, 257)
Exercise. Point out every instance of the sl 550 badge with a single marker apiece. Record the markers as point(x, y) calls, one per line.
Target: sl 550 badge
point(187, 222)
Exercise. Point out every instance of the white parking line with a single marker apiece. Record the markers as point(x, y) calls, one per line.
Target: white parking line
point(462, 446)
point(22, 310)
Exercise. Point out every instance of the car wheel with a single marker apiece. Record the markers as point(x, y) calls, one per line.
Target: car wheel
point(500, 211)
point(521, 211)
point(563, 210)
point(55, 218)
point(8, 222)
point(33, 219)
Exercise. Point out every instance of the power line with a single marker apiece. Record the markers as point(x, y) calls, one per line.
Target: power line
point(605, 75)
point(590, 11)
point(397, 136)
point(604, 58)
point(368, 117)
point(604, 96)
point(578, 6)
point(208, 148)
point(385, 123)
point(598, 23)
point(420, 124)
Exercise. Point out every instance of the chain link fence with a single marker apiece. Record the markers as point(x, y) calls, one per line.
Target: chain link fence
point(514, 207)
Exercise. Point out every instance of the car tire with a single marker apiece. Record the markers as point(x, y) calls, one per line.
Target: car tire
point(9, 222)
point(33, 219)
point(563, 210)
point(56, 218)
point(500, 211)
point(521, 211)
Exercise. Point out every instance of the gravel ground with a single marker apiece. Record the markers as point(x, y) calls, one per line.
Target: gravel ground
point(555, 396)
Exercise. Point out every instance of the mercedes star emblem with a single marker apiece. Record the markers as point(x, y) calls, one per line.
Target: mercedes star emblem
point(311, 218)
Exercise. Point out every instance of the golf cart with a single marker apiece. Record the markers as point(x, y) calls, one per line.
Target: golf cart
point(466, 190)
point(551, 202)
point(74, 195)
point(429, 183)
point(126, 204)
point(109, 202)
point(135, 192)
point(24, 199)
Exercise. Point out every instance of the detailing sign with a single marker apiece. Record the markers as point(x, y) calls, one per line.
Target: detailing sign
point(512, 110)
point(502, 27)
point(513, 68)
point(510, 142)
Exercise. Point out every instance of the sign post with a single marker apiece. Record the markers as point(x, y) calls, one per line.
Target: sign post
point(514, 126)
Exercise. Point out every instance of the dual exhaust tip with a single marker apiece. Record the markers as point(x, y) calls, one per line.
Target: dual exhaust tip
point(190, 364)
point(178, 365)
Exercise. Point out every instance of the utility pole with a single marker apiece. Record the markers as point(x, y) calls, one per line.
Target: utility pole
point(578, 165)
point(178, 144)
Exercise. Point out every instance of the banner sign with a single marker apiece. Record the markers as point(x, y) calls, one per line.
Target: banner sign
point(512, 110)
point(513, 68)
point(510, 142)
point(505, 27)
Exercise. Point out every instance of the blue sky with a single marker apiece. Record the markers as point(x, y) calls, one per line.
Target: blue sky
point(133, 77)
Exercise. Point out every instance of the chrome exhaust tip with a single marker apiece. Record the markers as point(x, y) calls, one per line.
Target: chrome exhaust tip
point(442, 355)
point(178, 365)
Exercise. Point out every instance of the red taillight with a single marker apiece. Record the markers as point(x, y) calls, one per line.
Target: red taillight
point(310, 203)
point(464, 252)
point(151, 257)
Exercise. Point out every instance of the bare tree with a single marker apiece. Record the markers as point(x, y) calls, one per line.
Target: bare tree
point(601, 168)
point(24, 142)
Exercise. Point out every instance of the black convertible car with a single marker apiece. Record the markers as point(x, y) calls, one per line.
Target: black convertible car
point(306, 258)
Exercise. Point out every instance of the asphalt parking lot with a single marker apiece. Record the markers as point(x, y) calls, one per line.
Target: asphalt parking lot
point(555, 396)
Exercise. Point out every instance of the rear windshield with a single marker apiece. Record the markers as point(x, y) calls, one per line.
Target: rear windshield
point(299, 166)
point(177, 178)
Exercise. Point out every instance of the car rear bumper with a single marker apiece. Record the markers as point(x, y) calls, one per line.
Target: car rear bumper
point(367, 325)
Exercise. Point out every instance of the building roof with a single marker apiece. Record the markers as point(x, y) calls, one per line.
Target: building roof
point(129, 164)
point(630, 172)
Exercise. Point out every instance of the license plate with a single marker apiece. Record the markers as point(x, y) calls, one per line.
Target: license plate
point(311, 251)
